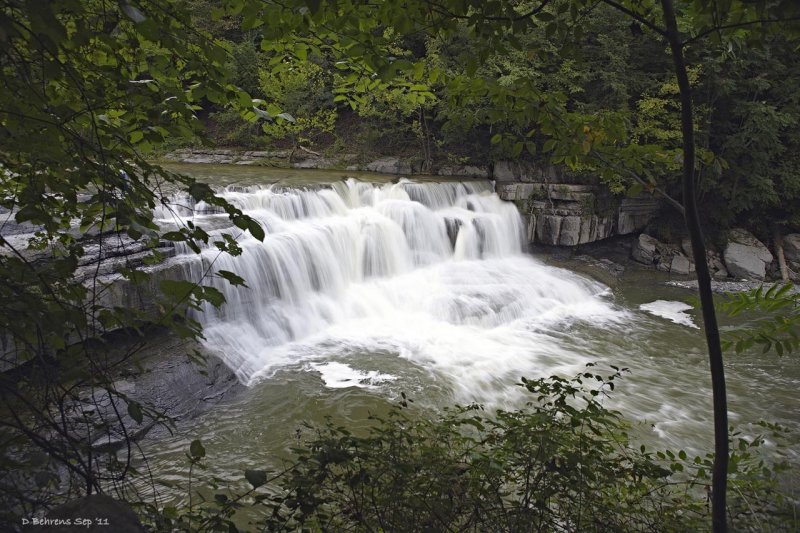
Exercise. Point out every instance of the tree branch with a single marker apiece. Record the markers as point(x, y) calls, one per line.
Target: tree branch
point(636, 16)
point(734, 26)
point(675, 203)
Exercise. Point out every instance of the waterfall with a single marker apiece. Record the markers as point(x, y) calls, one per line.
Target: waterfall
point(435, 273)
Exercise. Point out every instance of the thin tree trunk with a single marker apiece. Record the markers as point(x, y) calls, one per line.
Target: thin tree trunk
point(720, 470)
point(777, 239)
point(308, 151)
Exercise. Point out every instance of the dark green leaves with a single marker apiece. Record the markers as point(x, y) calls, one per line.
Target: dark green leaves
point(135, 411)
point(232, 278)
point(183, 292)
point(246, 222)
point(774, 316)
point(196, 450)
point(255, 477)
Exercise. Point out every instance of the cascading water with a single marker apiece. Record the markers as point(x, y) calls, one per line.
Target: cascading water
point(432, 273)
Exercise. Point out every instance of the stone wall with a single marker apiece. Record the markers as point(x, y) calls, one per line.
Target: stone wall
point(563, 210)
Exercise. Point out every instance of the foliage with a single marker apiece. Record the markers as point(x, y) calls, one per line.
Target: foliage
point(302, 89)
point(564, 462)
point(87, 90)
point(776, 323)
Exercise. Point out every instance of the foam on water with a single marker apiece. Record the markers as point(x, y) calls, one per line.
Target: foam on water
point(339, 376)
point(432, 273)
point(672, 311)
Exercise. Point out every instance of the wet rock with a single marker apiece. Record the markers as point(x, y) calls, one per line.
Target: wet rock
point(686, 246)
point(570, 231)
point(587, 226)
point(745, 256)
point(516, 191)
point(680, 264)
point(162, 378)
point(604, 264)
point(467, 171)
point(314, 162)
point(200, 160)
point(715, 265)
point(549, 229)
point(635, 213)
point(644, 249)
point(722, 287)
point(791, 247)
point(526, 172)
point(391, 165)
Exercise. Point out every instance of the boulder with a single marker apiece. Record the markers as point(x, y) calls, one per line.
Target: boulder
point(716, 266)
point(686, 246)
point(644, 249)
point(635, 213)
point(390, 165)
point(745, 256)
point(791, 247)
point(680, 264)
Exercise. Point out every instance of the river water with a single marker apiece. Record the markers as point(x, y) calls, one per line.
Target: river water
point(367, 287)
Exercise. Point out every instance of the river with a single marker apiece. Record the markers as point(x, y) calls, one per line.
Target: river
point(367, 287)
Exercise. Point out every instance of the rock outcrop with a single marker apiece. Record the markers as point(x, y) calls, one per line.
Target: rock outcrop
point(645, 250)
point(791, 251)
point(672, 258)
point(392, 165)
point(275, 158)
point(562, 212)
point(466, 171)
point(791, 247)
point(745, 256)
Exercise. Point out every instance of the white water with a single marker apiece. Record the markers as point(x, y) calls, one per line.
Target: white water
point(431, 273)
point(672, 311)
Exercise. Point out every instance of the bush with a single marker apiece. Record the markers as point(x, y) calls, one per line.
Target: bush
point(563, 463)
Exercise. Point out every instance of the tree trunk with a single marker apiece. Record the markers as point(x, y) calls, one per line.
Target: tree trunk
point(720, 470)
point(777, 239)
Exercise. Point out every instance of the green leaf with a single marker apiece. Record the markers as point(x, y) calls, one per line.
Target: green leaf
point(232, 278)
point(135, 412)
point(248, 223)
point(196, 449)
point(635, 189)
point(255, 477)
point(212, 296)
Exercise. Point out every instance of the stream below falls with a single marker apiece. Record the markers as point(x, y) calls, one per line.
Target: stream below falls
point(368, 287)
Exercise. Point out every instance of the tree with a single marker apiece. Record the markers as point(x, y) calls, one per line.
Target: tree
point(88, 88)
point(302, 89)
